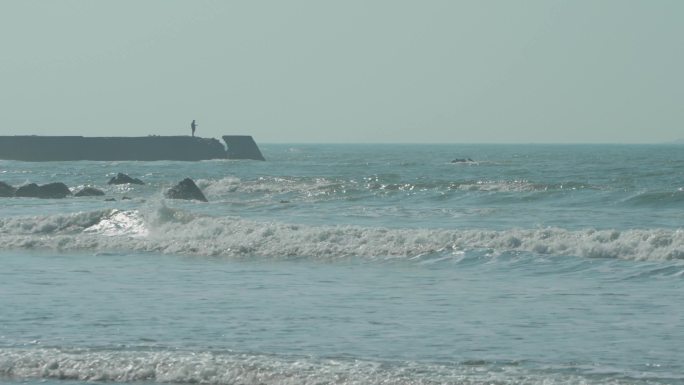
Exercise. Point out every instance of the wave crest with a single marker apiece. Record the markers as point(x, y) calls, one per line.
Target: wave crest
point(231, 368)
point(175, 231)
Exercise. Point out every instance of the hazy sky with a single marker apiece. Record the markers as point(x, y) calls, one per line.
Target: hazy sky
point(346, 71)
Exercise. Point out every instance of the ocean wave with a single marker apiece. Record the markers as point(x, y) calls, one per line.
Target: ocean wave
point(657, 199)
point(271, 185)
point(317, 187)
point(169, 230)
point(218, 368)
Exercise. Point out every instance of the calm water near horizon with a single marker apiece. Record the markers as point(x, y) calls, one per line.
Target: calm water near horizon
point(351, 264)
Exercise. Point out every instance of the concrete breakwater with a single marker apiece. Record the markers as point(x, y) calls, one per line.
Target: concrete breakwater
point(145, 148)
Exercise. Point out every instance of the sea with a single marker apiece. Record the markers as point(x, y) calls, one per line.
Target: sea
point(351, 264)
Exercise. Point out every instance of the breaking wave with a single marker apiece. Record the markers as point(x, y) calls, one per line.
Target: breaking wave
point(176, 231)
point(219, 368)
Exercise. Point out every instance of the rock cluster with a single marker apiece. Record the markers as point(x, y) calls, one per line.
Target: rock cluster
point(57, 190)
point(185, 189)
point(48, 191)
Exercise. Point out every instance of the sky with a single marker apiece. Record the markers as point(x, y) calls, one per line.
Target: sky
point(352, 71)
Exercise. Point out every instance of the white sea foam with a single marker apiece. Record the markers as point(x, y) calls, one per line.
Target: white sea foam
point(119, 223)
point(266, 185)
point(499, 186)
point(176, 231)
point(227, 368)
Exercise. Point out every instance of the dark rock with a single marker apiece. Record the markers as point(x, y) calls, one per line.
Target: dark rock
point(89, 192)
point(50, 190)
point(110, 200)
point(55, 190)
point(185, 189)
point(461, 160)
point(6, 190)
point(30, 190)
point(122, 178)
point(125, 198)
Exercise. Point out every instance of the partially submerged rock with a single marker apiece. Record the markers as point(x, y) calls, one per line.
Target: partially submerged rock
point(89, 192)
point(55, 190)
point(6, 190)
point(30, 190)
point(186, 189)
point(122, 178)
point(51, 190)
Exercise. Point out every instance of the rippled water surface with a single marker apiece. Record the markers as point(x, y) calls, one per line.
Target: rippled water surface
point(351, 264)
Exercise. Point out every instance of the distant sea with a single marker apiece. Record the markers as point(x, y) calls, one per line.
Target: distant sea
point(351, 264)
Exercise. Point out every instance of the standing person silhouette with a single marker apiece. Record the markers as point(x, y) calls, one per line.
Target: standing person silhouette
point(193, 125)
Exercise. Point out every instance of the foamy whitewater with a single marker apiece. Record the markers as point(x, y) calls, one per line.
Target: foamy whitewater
point(351, 264)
